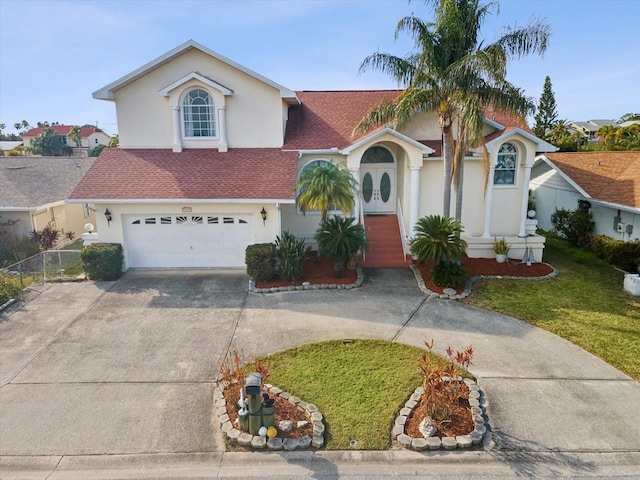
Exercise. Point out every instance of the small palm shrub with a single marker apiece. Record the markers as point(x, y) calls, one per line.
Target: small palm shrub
point(292, 253)
point(341, 238)
point(438, 239)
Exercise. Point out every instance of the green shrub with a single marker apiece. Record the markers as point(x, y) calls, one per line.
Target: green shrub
point(102, 261)
point(624, 255)
point(574, 225)
point(291, 252)
point(340, 237)
point(10, 287)
point(259, 259)
point(449, 274)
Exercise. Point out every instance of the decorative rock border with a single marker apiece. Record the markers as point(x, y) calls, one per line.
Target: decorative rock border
point(324, 286)
point(476, 401)
point(470, 282)
point(256, 442)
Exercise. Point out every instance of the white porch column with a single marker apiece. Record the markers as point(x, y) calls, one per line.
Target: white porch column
point(222, 120)
point(525, 201)
point(177, 140)
point(414, 210)
point(355, 173)
point(488, 202)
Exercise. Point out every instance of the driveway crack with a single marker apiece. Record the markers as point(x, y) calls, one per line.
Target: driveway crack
point(411, 315)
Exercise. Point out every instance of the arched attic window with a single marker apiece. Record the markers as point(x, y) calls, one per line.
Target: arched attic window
point(506, 165)
point(198, 114)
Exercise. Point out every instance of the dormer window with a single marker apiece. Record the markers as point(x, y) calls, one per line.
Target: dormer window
point(198, 114)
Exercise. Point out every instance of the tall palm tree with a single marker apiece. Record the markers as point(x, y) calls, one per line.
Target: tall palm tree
point(454, 74)
point(326, 186)
point(605, 135)
point(75, 134)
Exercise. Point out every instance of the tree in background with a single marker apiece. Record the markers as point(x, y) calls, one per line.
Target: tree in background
point(629, 116)
point(75, 134)
point(453, 73)
point(49, 143)
point(547, 113)
point(114, 141)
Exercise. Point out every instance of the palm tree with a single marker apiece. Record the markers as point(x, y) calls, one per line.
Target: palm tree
point(454, 74)
point(114, 141)
point(75, 134)
point(324, 187)
point(606, 134)
point(340, 237)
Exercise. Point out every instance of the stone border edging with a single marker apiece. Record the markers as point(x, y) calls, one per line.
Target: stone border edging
point(472, 280)
point(476, 401)
point(323, 286)
point(256, 442)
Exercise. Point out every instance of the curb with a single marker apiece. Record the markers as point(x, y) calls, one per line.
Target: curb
point(256, 442)
point(476, 401)
point(469, 284)
point(323, 286)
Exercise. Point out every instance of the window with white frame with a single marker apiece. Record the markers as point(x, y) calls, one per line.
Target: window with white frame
point(506, 165)
point(198, 114)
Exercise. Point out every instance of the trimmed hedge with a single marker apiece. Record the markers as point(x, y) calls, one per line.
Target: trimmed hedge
point(259, 259)
point(102, 261)
point(624, 255)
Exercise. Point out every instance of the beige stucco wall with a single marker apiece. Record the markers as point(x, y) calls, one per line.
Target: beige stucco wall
point(114, 232)
point(253, 112)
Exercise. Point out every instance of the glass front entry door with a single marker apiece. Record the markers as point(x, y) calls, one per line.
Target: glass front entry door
point(377, 185)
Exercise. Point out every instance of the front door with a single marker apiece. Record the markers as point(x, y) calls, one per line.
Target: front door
point(378, 189)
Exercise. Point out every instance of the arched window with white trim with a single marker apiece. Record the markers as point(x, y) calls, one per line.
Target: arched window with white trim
point(506, 165)
point(198, 114)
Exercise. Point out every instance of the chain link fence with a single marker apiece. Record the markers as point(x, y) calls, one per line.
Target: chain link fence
point(49, 266)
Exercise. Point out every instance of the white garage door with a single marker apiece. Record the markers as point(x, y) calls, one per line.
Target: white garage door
point(187, 241)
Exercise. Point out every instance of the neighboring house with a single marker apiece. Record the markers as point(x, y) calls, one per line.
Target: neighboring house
point(608, 181)
point(8, 145)
point(91, 137)
point(33, 191)
point(206, 145)
point(590, 127)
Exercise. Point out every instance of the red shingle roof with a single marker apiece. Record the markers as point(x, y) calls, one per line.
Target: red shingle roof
point(61, 130)
point(258, 173)
point(326, 119)
point(610, 176)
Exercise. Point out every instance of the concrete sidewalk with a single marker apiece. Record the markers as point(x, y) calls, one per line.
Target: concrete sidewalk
point(114, 380)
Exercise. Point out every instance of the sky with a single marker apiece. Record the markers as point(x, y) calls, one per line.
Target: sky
point(54, 54)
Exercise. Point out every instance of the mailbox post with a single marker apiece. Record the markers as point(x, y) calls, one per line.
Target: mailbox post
point(253, 385)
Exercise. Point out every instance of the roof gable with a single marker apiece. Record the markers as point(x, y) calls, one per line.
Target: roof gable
point(612, 177)
point(195, 76)
point(107, 92)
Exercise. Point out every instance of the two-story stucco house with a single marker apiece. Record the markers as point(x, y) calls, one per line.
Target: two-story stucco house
point(90, 138)
point(207, 146)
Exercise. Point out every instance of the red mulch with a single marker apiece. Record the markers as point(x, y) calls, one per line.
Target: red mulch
point(461, 419)
point(486, 266)
point(315, 274)
point(282, 410)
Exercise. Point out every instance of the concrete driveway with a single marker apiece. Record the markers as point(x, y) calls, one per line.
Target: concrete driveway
point(114, 380)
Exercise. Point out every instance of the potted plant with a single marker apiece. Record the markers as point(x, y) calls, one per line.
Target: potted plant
point(501, 249)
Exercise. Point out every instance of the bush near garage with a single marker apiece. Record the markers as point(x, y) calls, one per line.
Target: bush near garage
point(291, 252)
point(624, 255)
point(259, 259)
point(103, 261)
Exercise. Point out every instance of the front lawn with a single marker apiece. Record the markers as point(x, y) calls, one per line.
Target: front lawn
point(358, 385)
point(585, 304)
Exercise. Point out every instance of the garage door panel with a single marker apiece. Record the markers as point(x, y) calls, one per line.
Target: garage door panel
point(174, 241)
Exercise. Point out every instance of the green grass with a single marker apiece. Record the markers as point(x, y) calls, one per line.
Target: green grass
point(585, 304)
point(358, 385)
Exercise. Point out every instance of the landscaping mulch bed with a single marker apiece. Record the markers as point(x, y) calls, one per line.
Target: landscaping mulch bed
point(316, 273)
point(282, 410)
point(461, 419)
point(486, 267)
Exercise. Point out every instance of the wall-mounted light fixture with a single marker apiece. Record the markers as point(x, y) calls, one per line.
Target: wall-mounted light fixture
point(107, 215)
point(263, 214)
